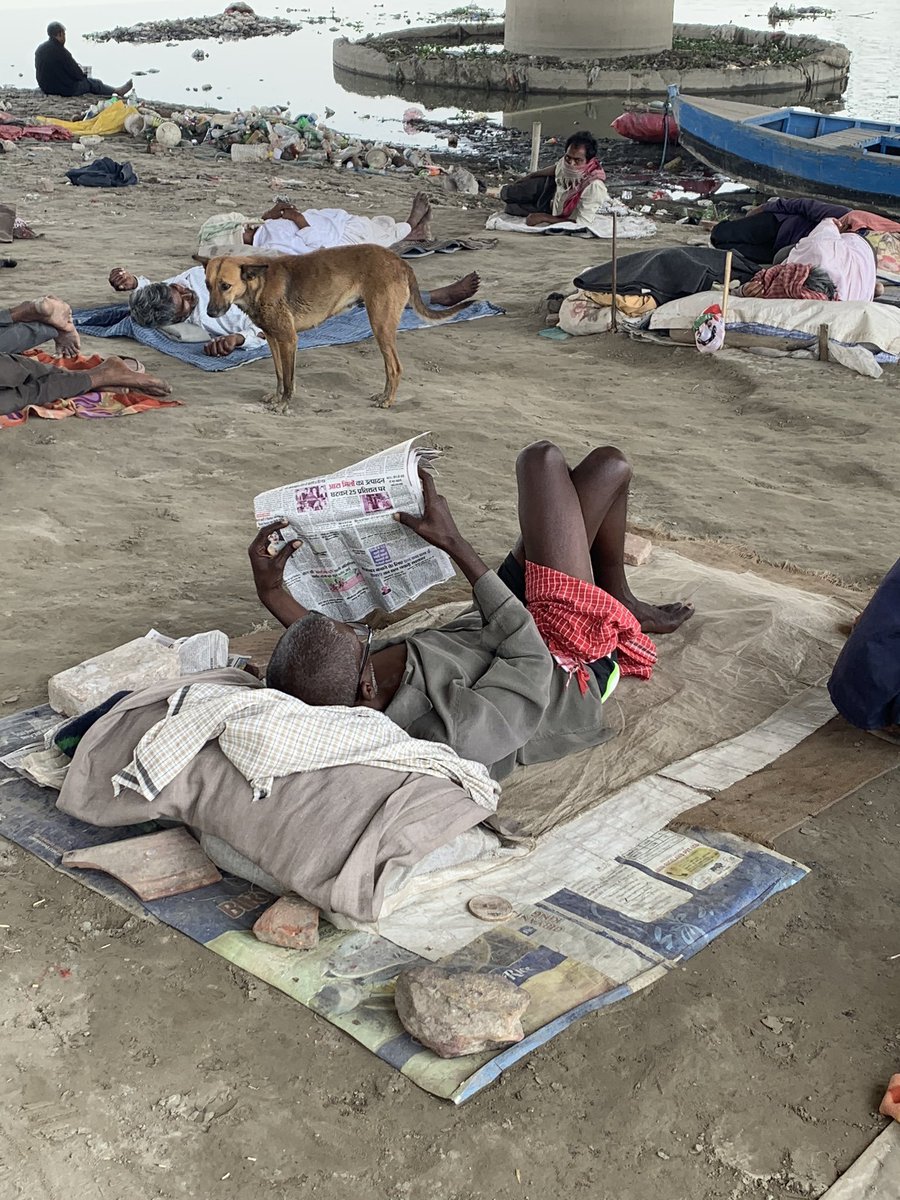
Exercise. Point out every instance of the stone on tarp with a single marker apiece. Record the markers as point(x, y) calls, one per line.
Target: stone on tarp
point(290, 922)
point(134, 665)
point(455, 1013)
point(153, 866)
point(637, 550)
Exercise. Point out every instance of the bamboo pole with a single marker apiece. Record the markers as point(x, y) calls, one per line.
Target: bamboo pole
point(614, 315)
point(535, 145)
point(727, 287)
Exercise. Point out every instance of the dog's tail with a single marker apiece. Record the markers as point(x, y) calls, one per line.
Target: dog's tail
point(419, 305)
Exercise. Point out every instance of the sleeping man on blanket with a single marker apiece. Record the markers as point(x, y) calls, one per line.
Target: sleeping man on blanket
point(522, 676)
point(184, 299)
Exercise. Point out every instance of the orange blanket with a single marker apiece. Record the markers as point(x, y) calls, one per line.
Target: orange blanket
point(91, 404)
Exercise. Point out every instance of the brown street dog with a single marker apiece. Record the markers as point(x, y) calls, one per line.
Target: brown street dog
point(285, 295)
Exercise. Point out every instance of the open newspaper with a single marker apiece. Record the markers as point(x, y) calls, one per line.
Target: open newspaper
point(355, 557)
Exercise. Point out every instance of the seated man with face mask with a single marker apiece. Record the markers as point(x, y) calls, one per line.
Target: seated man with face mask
point(523, 675)
point(571, 190)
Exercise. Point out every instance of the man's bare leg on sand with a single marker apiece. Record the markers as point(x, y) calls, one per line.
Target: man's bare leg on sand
point(419, 219)
point(115, 374)
point(574, 521)
point(455, 293)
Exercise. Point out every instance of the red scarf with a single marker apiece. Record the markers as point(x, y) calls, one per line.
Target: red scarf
point(592, 171)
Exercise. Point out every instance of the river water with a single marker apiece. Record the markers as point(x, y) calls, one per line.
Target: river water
point(297, 70)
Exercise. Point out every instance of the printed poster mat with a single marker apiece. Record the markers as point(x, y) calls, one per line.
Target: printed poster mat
point(574, 951)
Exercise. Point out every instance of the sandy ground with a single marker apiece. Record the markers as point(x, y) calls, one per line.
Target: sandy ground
point(109, 528)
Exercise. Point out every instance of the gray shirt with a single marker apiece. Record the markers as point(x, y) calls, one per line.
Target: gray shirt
point(487, 685)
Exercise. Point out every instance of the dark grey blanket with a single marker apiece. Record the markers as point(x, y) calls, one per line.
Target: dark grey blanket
point(667, 274)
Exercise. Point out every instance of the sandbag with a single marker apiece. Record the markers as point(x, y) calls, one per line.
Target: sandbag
point(646, 127)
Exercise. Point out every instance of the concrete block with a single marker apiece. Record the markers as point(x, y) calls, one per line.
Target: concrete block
point(291, 923)
point(637, 550)
point(134, 665)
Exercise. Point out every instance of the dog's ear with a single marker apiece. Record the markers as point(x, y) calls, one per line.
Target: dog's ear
point(198, 258)
point(253, 270)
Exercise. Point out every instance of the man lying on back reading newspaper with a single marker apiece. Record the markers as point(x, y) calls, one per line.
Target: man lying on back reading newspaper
point(523, 675)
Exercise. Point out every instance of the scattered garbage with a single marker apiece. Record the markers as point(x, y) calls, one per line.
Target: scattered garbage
point(232, 25)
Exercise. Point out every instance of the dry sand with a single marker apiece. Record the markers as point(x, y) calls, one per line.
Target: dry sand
point(110, 527)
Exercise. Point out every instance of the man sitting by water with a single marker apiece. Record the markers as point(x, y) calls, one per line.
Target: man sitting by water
point(25, 381)
point(285, 229)
point(184, 299)
point(58, 74)
point(572, 190)
point(497, 683)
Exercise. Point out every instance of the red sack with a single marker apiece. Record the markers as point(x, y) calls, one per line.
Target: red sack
point(646, 127)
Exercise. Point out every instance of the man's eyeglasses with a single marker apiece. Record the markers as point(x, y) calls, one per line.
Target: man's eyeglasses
point(365, 635)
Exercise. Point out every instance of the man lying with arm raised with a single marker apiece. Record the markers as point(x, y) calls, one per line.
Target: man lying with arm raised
point(184, 299)
point(497, 683)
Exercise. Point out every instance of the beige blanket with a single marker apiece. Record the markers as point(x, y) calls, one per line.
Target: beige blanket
point(333, 836)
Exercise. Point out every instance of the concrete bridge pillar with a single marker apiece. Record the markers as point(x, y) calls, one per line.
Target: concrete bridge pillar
point(588, 28)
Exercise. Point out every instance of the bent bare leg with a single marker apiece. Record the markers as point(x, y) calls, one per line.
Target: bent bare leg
point(602, 481)
point(550, 519)
point(574, 521)
point(455, 293)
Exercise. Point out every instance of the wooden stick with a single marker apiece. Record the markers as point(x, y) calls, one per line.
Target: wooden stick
point(823, 343)
point(614, 315)
point(535, 145)
point(726, 287)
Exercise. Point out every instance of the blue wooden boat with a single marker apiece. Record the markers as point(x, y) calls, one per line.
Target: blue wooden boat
point(795, 151)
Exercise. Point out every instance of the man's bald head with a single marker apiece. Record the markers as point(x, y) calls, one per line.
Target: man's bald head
point(317, 660)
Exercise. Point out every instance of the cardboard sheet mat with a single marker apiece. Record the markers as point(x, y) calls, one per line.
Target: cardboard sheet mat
point(610, 900)
point(876, 1173)
point(752, 645)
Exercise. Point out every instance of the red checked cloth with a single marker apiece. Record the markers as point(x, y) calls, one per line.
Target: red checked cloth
point(787, 281)
point(581, 623)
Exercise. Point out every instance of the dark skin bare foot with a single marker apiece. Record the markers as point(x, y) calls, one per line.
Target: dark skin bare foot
point(659, 618)
point(455, 293)
point(115, 374)
point(48, 310)
point(420, 211)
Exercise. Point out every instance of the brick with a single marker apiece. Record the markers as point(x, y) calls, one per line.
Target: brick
point(637, 550)
point(128, 667)
point(291, 923)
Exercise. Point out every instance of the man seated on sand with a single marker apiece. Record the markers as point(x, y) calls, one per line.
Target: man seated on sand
point(25, 381)
point(184, 299)
point(838, 265)
point(285, 229)
point(522, 676)
point(572, 190)
point(58, 74)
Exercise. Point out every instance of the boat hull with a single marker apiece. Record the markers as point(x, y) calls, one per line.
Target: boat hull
point(739, 146)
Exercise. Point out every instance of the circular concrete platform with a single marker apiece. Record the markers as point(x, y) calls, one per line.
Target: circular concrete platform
point(472, 57)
